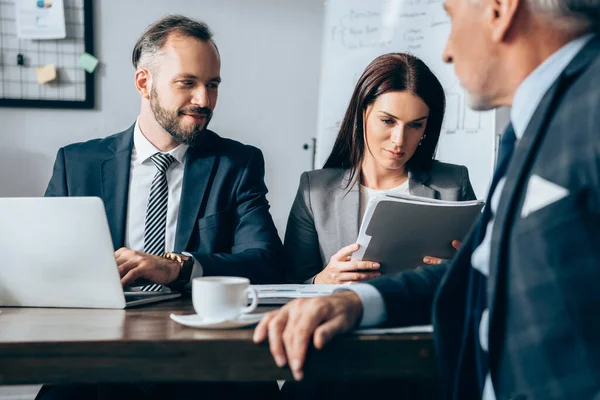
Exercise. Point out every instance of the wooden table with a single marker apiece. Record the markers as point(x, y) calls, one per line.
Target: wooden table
point(144, 344)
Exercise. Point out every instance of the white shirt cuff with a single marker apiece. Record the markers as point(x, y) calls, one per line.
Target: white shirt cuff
point(374, 312)
point(198, 271)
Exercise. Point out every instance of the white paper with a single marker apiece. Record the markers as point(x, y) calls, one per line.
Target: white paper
point(294, 291)
point(40, 19)
point(394, 331)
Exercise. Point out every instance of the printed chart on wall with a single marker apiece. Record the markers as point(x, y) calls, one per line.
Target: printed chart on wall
point(357, 31)
point(46, 49)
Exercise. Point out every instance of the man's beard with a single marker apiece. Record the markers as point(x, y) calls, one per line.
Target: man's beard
point(170, 121)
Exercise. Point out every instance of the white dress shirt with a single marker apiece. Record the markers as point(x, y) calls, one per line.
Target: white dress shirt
point(367, 194)
point(525, 101)
point(141, 173)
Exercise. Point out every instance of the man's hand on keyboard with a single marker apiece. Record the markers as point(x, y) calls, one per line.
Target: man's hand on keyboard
point(134, 265)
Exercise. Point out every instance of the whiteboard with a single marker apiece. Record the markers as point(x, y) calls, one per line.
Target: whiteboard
point(357, 31)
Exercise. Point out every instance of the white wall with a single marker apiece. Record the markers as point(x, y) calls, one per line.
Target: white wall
point(270, 50)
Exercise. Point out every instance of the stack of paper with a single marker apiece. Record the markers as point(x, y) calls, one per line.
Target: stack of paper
point(395, 331)
point(281, 294)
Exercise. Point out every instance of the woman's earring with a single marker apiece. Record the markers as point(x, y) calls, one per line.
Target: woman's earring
point(421, 141)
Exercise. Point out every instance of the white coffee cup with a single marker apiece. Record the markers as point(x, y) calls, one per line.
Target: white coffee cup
point(221, 298)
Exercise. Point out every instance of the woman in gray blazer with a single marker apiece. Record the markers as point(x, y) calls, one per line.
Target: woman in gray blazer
point(386, 144)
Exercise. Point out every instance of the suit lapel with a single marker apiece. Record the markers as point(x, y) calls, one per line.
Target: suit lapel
point(347, 209)
point(417, 187)
point(519, 168)
point(198, 171)
point(115, 184)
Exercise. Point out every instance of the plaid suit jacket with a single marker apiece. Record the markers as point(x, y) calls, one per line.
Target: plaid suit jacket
point(544, 282)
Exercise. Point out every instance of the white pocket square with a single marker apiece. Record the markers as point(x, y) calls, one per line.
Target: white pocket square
point(541, 193)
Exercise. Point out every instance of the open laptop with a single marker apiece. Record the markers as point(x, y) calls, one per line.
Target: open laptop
point(58, 252)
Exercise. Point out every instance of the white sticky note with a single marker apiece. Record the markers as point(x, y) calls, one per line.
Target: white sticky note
point(88, 62)
point(45, 74)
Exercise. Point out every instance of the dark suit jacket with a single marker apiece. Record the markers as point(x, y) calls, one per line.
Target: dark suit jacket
point(223, 220)
point(542, 289)
point(324, 217)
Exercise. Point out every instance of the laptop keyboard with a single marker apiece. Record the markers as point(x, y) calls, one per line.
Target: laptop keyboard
point(134, 297)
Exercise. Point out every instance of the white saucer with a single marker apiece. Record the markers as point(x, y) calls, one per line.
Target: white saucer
point(195, 321)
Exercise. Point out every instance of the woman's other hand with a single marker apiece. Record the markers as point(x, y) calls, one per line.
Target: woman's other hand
point(434, 260)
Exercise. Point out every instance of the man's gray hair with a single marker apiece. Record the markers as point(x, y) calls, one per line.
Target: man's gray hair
point(573, 15)
point(154, 38)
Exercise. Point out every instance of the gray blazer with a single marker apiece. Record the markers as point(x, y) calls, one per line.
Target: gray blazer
point(324, 217)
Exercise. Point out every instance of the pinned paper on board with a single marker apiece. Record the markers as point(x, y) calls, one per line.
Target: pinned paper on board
point(72, 87)
point(45, 74)
point(40, 19)
point(88, 62)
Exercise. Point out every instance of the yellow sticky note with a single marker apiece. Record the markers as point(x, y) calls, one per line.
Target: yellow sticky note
point(88, 62)
point(45, 74)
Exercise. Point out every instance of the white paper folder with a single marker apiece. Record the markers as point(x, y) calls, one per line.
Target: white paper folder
point(397, 231)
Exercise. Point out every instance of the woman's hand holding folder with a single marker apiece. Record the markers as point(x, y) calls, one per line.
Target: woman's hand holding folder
point(341, 269)
point(434, 260)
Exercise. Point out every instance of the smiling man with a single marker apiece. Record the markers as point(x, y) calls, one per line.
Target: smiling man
point(515, 314)
point(181, 201)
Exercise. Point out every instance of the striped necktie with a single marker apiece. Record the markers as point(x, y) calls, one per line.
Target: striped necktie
point(156, 213)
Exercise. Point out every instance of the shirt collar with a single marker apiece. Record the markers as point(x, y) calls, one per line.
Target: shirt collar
point(144, 149)
point(531, 91)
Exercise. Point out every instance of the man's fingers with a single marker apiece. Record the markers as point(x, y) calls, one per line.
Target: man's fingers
point(298, 334)
point(357, 276)
point(261, 330)
point(291, 333)
point(123, 255)
point(456, 244)
point(325, 332)
point(276, 330)
point(131, 276)
point(126, 267)
point(120, 259)
point(120, 251)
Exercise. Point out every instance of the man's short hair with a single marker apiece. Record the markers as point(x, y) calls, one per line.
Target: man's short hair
point(580, 15)
point(154, 38)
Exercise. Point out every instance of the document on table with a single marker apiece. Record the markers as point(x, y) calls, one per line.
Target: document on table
point(281, 294)
point(394, 331)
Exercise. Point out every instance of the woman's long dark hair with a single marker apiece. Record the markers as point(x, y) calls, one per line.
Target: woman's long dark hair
point(387, 73)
